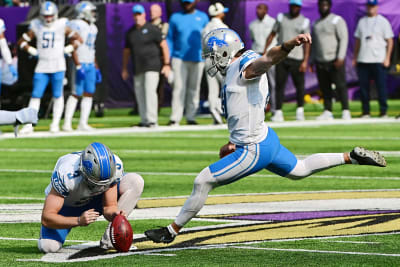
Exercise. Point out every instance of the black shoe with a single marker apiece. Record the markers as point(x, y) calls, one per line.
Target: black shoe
point(367, 157)
point(192, 123)
point(173, 123)
point(160, 235)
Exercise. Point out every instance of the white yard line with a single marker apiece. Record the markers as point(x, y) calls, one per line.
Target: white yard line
point(352, 242)
point(318, 251)
point(130, 130)
point(349, 177)
point(156, 151)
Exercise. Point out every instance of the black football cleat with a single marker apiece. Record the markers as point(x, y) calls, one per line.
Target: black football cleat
point(368, 157)
point(160, 235)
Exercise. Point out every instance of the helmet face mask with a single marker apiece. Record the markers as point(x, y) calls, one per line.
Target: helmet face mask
point(87, 11)
point(48, 13)
point(97, 165)
point(221, 45)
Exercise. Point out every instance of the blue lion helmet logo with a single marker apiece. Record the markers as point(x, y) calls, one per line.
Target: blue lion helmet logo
point(214, 40)
point(88, 165)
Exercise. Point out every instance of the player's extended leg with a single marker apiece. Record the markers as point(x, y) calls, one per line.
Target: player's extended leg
point(57, 80)
point(87, 99)
point(40, 81)
point(130, 189)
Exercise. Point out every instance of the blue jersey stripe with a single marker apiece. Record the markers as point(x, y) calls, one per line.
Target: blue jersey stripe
point(237, 164)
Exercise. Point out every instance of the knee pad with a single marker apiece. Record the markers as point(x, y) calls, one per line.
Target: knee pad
point(49, 245)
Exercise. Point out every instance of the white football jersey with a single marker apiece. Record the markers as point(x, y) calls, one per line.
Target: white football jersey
point(68, 181)
point(88, 32)
point(50, 41)
point(2, 26)
point(243, 102)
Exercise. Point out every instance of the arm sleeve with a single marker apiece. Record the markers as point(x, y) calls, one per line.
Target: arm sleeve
point(245, 60)
point(57, 182)
point(277, 24)
point(357, 33)
point(343, 36)
point(5, 51)
point(170, 35)
point(2, 26)
point(127, 43)
point(388, 32)
point(306, 25)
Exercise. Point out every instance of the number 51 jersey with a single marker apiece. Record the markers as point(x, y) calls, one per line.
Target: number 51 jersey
point(50, 41)
point(68, 181)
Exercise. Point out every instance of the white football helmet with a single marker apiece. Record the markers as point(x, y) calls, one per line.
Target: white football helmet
point(98, 165)
point(48, 12)
point(221, 45)
point(86, 10)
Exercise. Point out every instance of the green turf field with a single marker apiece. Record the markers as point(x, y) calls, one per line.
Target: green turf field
point(169, 161)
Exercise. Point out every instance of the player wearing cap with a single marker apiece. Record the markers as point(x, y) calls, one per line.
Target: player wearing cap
point(184, 42)
point(217, 13)
point(372, 51)
point(145, 46)
point(288, 25)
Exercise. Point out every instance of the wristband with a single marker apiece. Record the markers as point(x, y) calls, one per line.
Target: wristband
point(284, 48)
point(79, 221)
point(26, 37)
point(33, 51)
point(23, 44)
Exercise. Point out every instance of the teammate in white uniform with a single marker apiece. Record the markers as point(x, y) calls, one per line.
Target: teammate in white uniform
point(87, 72)
point(85, 185)
point(50, 33)
point(5, 53)
point(252, 146)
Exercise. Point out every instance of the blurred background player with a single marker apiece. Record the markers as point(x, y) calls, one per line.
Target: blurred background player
point(85, 185)
point(87, 71)
point(260, 29)
point(146, 47)
point(288, 25)
point(5, 54)
point(252, 145)
point(372, 51)
point(217, 13)
point(50, 32)
point(328, 52)
point(184, 42)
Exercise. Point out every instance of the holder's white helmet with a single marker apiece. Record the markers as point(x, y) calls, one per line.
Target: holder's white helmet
point(98, 165)
point(221, 45)
point(48, 12)
point(86, 10)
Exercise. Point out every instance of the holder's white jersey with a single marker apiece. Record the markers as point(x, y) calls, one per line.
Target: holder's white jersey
point(88, 32)
point(68, 181)
point(50, 41)
point(243, 102)
point(2, 26)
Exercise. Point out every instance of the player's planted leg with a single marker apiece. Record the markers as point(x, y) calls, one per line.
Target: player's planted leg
point(203, 184)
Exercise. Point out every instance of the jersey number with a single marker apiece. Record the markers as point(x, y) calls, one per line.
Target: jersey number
point(91, 38)
point(48, 40)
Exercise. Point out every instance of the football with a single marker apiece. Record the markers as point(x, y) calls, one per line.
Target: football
point(121, 233)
